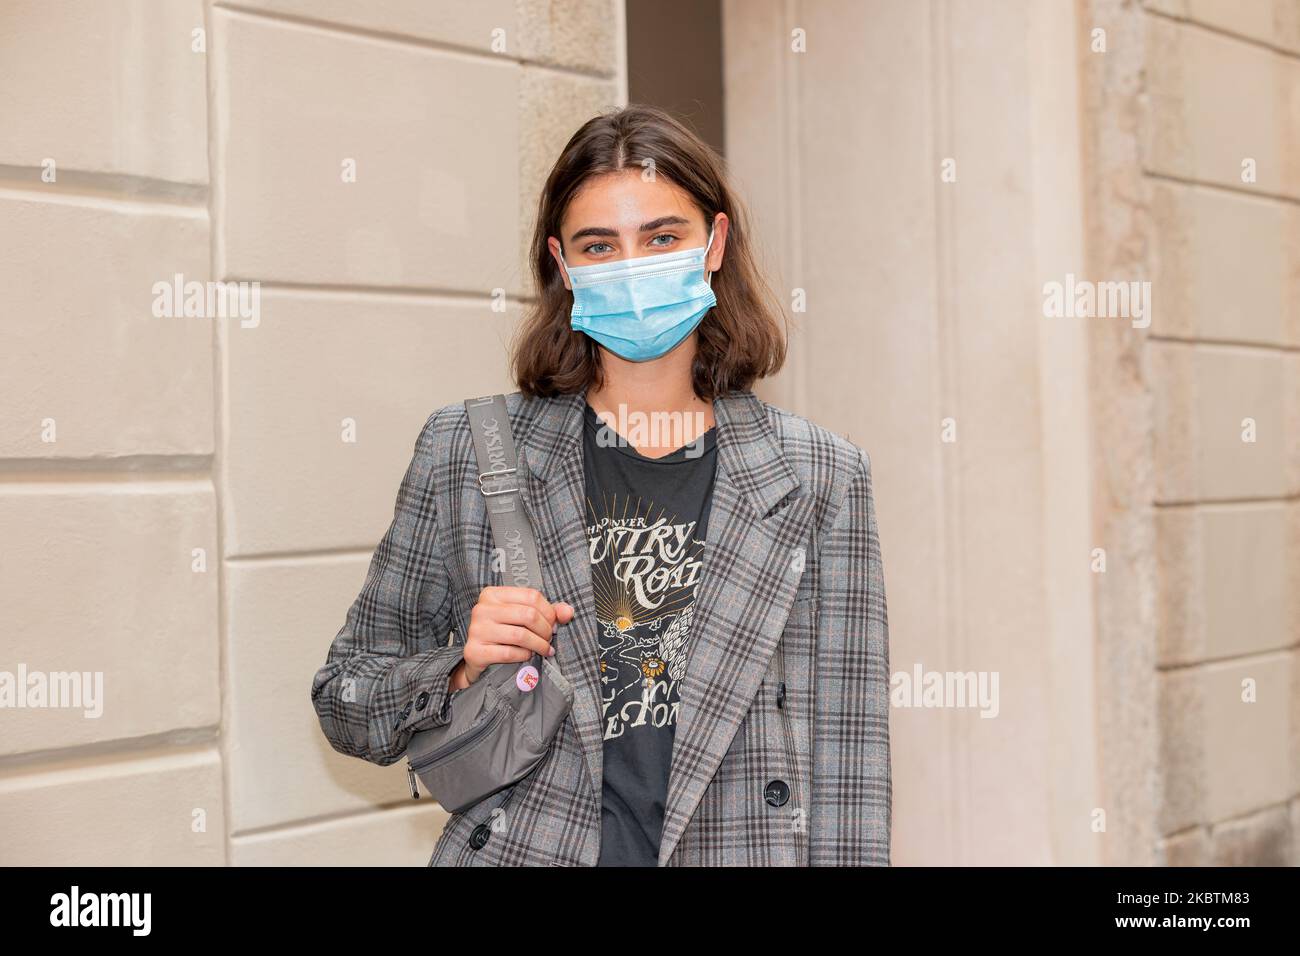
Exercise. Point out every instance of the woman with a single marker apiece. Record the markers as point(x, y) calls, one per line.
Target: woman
point(714, 589)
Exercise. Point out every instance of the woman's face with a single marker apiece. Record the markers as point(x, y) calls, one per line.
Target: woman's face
point(622, 216)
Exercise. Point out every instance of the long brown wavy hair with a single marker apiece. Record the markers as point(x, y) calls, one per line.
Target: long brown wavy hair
point(741, 339)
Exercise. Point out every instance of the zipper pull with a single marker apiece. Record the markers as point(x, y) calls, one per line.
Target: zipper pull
point(415, 791)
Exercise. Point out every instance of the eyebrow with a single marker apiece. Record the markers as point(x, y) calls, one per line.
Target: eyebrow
point(605, 232)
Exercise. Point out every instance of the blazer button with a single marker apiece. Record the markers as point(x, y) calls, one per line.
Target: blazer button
point(776, 793)
point(422, 701)
point(478, 839)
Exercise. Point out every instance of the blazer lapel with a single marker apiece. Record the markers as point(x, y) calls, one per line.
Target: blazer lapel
point(751, 572)
point(553, 490)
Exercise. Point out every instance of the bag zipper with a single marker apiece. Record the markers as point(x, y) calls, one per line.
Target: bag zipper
point(452, 746)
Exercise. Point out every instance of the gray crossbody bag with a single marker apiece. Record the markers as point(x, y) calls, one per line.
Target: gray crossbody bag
point(502, 725)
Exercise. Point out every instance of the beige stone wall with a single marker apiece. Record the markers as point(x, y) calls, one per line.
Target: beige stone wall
point(1192, 134)
point(1223, 94)
point(1122, 735)
point(181, 510)
point(924, 341)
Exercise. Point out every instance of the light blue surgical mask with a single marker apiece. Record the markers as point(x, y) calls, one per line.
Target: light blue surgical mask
point(642, 308)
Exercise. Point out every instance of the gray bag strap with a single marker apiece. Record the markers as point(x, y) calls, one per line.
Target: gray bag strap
point(494, 448)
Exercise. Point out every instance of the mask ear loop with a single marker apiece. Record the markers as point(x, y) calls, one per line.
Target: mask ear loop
point(708, 273)
point(567, 277)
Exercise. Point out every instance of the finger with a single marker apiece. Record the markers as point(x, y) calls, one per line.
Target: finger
point(563, 611)
point(507, 654)
point(544, 608)
point(485, 655)
point(520, 637)
point(522, 615)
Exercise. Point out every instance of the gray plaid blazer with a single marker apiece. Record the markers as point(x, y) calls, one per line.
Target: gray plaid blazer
point(791, 593)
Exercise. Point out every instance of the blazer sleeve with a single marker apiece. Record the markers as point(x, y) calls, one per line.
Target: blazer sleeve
point(386, 674)
point(852, 784)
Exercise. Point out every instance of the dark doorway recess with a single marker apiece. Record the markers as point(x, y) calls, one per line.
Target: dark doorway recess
point(674, 61)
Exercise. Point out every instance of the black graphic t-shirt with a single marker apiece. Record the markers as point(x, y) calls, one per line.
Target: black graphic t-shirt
point(646, 520)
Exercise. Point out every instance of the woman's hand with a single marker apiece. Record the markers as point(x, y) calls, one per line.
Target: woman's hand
point(508, 624)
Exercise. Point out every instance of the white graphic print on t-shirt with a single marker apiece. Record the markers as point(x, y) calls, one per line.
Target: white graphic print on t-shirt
point(644, 566)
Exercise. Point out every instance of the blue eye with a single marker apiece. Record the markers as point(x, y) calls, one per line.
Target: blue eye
point(591, 249)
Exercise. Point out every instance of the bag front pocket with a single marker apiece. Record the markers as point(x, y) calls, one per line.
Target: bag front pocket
point(461, 744)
